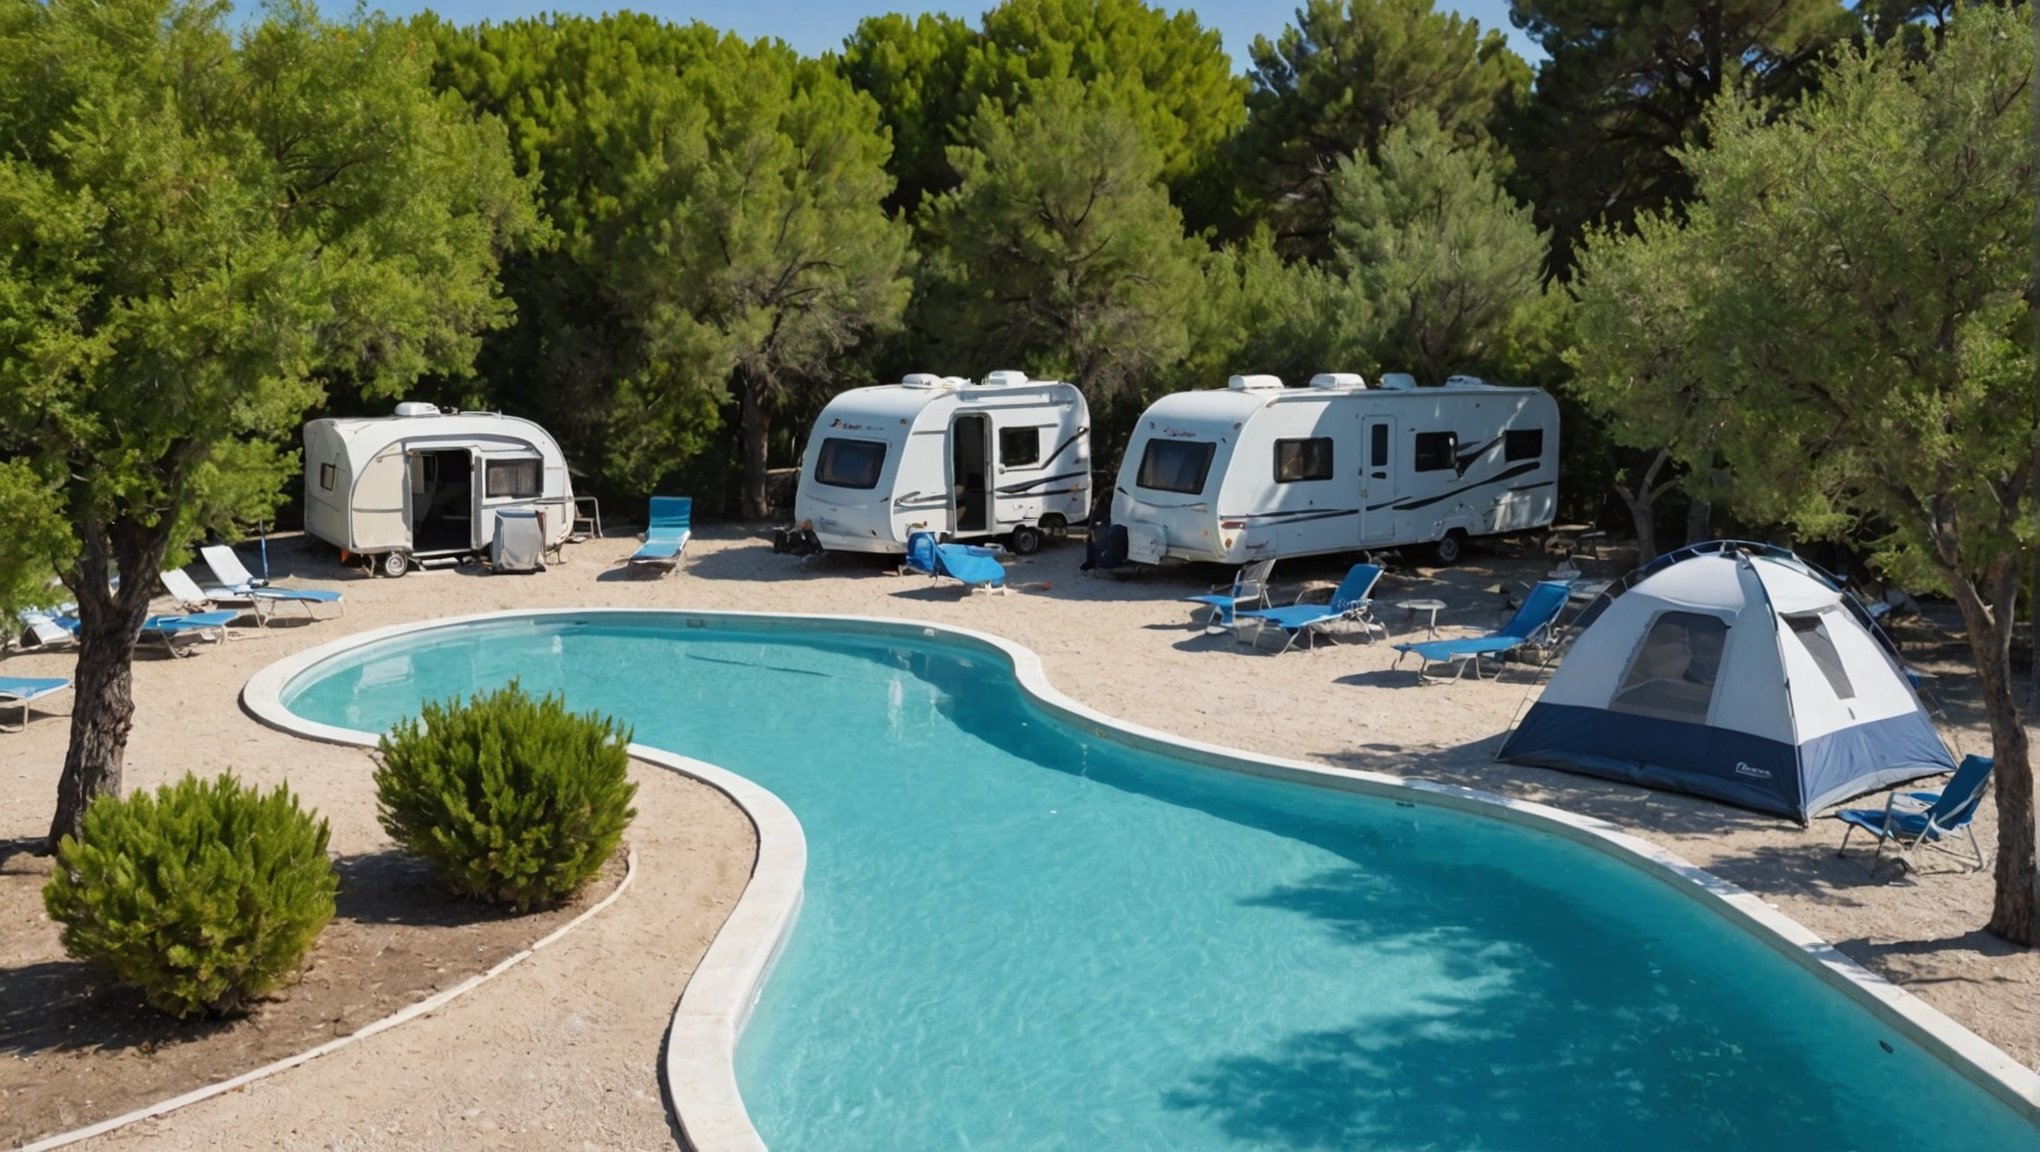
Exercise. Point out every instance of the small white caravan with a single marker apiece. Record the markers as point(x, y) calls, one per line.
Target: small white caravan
point(1006, 456)
point(426, 484)
point(1257, 470)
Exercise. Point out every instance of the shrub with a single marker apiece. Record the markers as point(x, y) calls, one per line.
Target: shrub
point(205, 895)
point(510, 799)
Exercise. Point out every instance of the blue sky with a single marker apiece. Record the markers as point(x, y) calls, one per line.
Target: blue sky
point(815, 26)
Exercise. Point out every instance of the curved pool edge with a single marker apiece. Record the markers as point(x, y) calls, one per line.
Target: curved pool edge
point(699, 1056)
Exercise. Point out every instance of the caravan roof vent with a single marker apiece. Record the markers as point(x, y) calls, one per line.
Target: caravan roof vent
point(1338, 380)
point(417, 408)
point(1397, 381)
point(1255, 383)
point(924, 380)
point(1004, 378)
point(1466, 382)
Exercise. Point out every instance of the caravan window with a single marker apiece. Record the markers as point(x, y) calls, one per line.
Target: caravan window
point(1303, 459)
point(326, 477)
point(1019, 446)
point(1672, 672)
point(1175, 466)
point(1810, 629)
point(1436, 452)
point(1523, 444)
point(1377, 448)
point(850, 463)
point(513, 480)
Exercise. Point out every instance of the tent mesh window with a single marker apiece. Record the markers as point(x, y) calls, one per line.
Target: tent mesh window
point(1810, 629)
point(1672, 673)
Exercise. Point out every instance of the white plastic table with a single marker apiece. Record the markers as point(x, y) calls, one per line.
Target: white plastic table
point(1412, 607)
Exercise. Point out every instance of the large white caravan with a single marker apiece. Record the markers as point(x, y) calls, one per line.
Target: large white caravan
point(1006, 456)
point(424, 484)
point(1257, 470)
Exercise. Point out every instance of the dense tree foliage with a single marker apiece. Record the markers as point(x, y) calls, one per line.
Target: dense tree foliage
point(1447, 268)
point(1060, 251)
point(197, 237)
point(1335, 84)
point(1163, 71)
point(1628, 83)
point(721, 236)
point(1843, 317)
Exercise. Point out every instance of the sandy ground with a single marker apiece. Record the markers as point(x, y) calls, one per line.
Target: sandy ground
point(563, 1051)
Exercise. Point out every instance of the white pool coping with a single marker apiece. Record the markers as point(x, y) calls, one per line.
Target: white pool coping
point(699, 1060)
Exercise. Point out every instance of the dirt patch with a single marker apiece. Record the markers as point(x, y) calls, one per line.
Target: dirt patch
point(75, 1048)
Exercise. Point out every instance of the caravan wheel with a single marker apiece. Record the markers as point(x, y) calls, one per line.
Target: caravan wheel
point(1026, 540)
point(393, 564)
point(1449, 548)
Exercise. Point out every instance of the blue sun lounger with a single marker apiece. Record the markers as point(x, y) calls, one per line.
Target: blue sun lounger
point(1249, 590)
point(26, 690)
point(978, 568)
point(1910, 819)
point(237, 583)
point(171, 629)
point(1533, 622)
point(1352, 601)
point(667, 532)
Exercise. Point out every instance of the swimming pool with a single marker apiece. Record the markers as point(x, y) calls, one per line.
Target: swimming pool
point(1018, 934)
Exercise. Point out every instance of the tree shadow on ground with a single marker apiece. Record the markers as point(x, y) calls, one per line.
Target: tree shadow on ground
point(388, 887)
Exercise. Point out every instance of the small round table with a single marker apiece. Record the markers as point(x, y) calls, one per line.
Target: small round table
point(1412, 607)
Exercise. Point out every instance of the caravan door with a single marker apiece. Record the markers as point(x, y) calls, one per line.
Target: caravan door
point(970, 474)
point(1380, 483)
point(378, 509)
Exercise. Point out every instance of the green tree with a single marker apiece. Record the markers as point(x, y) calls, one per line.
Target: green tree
point(1627, 84)
point(1445, 266)
point(914, 69)
point(1336, 82)
point(1060, 252)
point(1849, 306)
point(1164, 71)
point(722, 236)
point(195, 237)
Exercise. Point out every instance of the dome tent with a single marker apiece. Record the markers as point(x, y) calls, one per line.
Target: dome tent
point(1738, 672)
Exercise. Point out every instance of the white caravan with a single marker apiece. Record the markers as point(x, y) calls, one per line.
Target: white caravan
point(1006, 456)
point(425, 484)
point(1256, 470)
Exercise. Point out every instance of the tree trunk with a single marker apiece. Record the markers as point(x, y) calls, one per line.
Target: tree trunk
point(1642, 505)
point(1989, 629)
point(2033, 664)
point(103, 706)
point(757, 428)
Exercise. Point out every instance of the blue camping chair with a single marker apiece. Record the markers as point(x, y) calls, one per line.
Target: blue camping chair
point(1351, 601)
point(1532, 623)
point(666, 534)
point(26, 690)
point(977, 568)
point(1910, 819)
point(1249, 590)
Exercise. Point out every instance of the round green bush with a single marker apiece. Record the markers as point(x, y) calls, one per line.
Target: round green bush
point(510, 799)
point(205, 895)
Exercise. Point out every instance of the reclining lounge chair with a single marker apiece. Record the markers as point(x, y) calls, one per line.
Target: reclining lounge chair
point(667, 531)
point(26, 690)
point(1249, 590)
point(1352, 601)
point(1532, 623)
point(239, 584)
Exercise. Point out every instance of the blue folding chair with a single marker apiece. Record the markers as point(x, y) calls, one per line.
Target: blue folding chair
point(1533, 622)
point(1350, 602)
point(1911, 819)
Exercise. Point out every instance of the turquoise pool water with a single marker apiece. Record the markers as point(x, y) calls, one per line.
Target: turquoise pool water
point(1020, 937)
